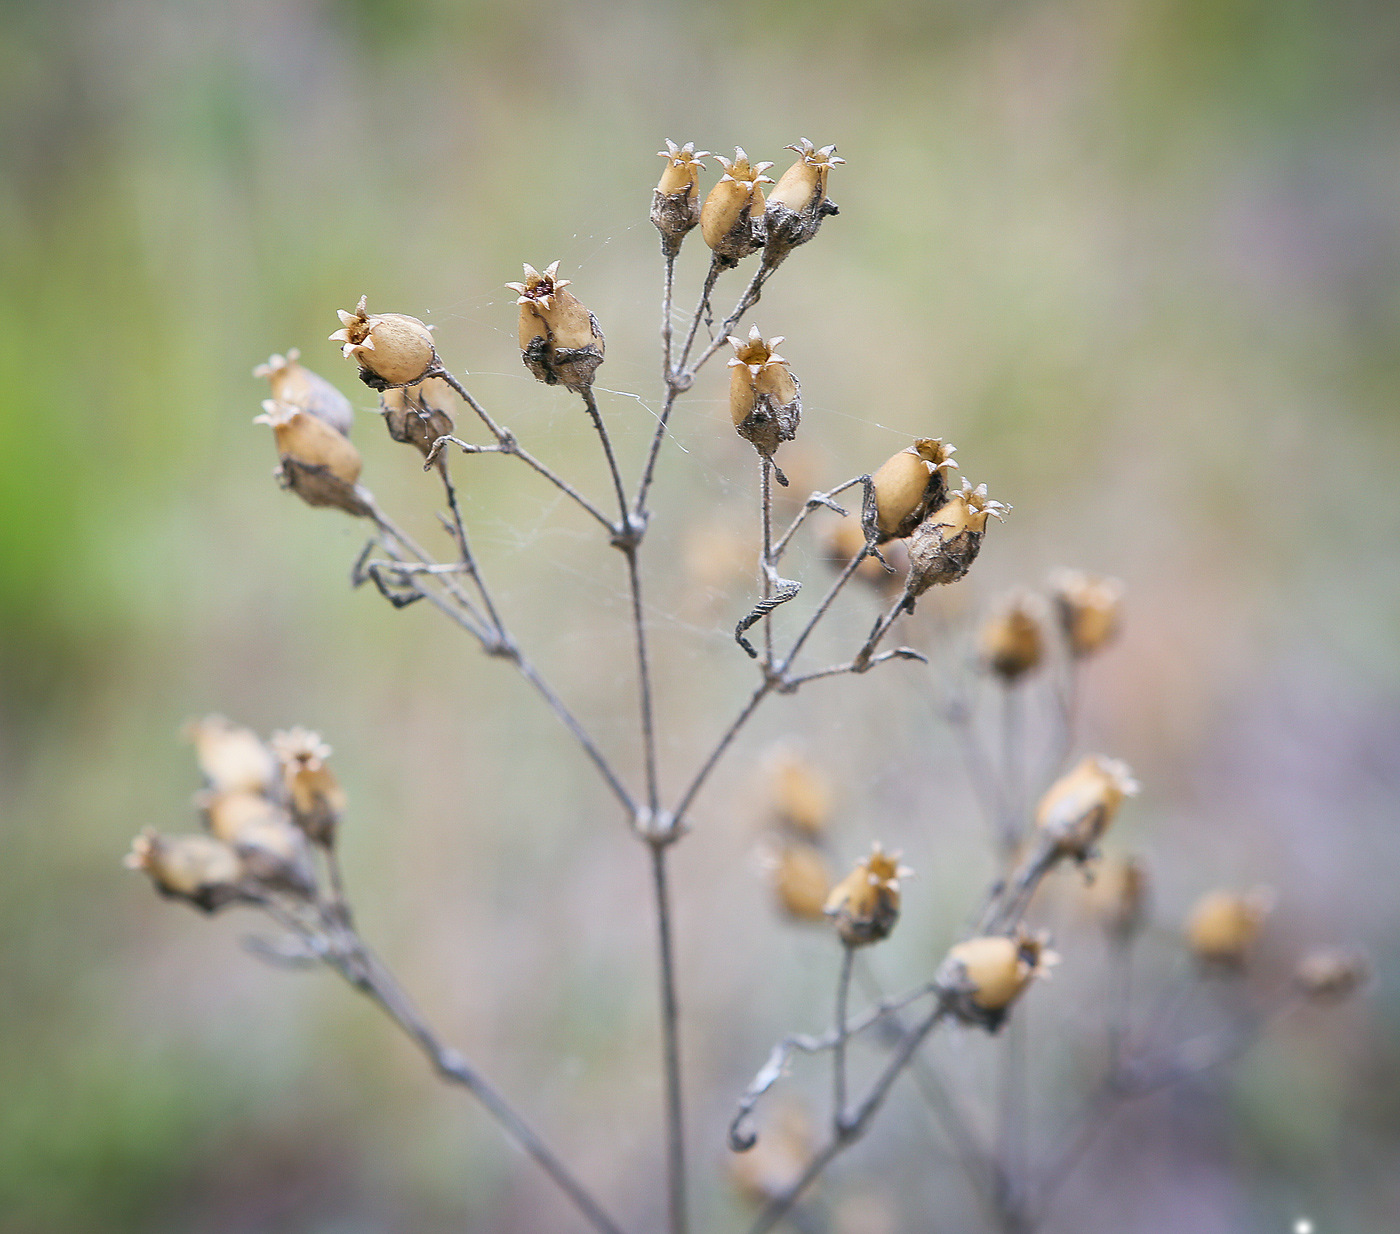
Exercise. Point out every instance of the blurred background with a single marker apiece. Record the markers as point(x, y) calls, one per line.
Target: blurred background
point(1139, 259)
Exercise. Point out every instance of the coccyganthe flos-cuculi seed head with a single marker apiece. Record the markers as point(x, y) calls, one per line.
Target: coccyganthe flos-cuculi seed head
point(798, 202)
point(800, 796)
point(731, 220)
point(910, 484)
point(1223, 924)
point(944, 546)
point(199, 869)
point(260, 831)
point(865, 904)
point(1089, 609)
point(983, 976)
point(392, 349)
point(765, 400)
point(233, 758)
point(1118, 894)
point(293, 383)
point(561, 342)
point(1079, 807)
point(317, 463)
point(419, 414)
point(316, 798)
point(1010, 640)
point(1330, 974)
point(675, 203)
point(801, 882)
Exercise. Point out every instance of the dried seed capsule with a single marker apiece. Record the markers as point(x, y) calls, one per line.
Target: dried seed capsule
point(944, 546)
point(1118, 895)
point(801, 881)
point(675, 204)
point(1089, 609)
point(392, 349)
point(261, 832)
point(983, 976)
point(801, 798)
point(1330, 974)
point(200, 869)
point(765, 402)
point(865, 904)
point(316, 798)
point(317, 463)
point(292, 383)
point(1223, 925)
point(774, 1160)
point(232, 757)
point(560, 340)
point(731, 220)
point(1078, 808)
point(419, 414)
point(846, 538)
point(798, 202)
point(909, 484)
point(1010, 641)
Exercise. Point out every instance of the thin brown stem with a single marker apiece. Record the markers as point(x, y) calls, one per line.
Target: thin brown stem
point(765, 469)
point(678, 375)
point(761, 691)
point(752, 293)
point(464, 547)
point(832, 592)
point(838, 1054)
point(597, 417)
point(815, 502)
point(671, 1048)
point(667, 298)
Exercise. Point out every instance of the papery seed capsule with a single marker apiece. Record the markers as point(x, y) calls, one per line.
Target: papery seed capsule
point(1079, 807)
point(261, 832)
point(731, 220)
point(985, 975)
point(776, 1159)
point(764, 397)
point(675, 204)
point(797, 203)
point(801, 881)
point(317, 463)
point(1010, 641)
point(200, 869)
point(801, 798)
point(561, 342)
point(1118, 896)
point(316, 798)
point(293, 383)
point(1330, 974)
point(419, 414)
point(1089, 609)
point(392, 349)
point(909, 484)
point(865, 904)
point(846, 538)
point(1223, 925)
point(944, 546)
point(232, 757)
point(229, 814)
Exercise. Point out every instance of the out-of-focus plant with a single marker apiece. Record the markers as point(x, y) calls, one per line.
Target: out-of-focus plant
point(272, 810)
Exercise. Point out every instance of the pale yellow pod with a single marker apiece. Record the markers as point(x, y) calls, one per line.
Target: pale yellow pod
point(294, 383)
point(1079, 807)
point(1222, 925)
point(899, 484)
point(311, 442)
point(801, 882)
point(1010, 640)
point(801, 186)
point(995, 970)
point(189, 866)
point(726, 202)
point(233, 758)
point(570, 322)
point(231, 814)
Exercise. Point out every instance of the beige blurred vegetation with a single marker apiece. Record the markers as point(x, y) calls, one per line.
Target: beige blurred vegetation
point(1140, 259)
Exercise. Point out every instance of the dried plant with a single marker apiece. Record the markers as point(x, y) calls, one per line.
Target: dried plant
point(272, 810)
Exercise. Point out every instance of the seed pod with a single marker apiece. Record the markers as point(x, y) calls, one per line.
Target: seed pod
point(232, 758)
point(773, 1161)
point(1089, 609)
point(317, 463)
point(1330, 974)
point(731, 220)
point(1010, 641)
point(865, 904)
point(261, 832)
point(798, 203)
point(200, 869)
point(800, 797)
point(307, 391)
point(419, 414)
point(392, 349)
point(675, 203)
point(561, 342)
point(801, 881)
point(909, 484)
point(1118, 895)
point(982, 977)
point(1078, 808)
point(316, 798)
point(846, 538)
point(944, 546)
point(764, 397)
point(1223, 925)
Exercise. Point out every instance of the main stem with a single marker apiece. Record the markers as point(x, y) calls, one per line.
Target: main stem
point(838, 1056)
point(766, 486)
point(671, 1046)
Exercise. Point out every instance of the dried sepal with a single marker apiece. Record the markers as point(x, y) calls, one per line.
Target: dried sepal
point(865, 904)
point(798, 203)
point(944, 546)
point(910, 484)
point(675, 203)
point(1089, 608)
point(1010, 642)
point(392, 349)
point(1078, 808)
point(294, 383)
point(232, 757)
point(1223, 925)
point(418, 414)
point(765, 400)
point(317, 463)
point(314, 794)
point(731, 220)
point(561, 342)
point(1331, 974)
point(199, 869)
point(982, 977)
